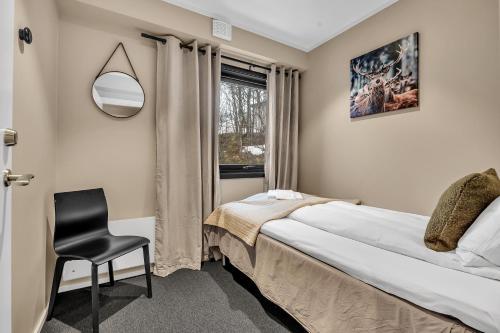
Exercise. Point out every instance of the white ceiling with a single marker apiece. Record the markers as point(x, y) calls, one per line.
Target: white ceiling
point(302, 24)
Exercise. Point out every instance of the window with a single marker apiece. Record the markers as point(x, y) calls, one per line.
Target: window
point(242, 123)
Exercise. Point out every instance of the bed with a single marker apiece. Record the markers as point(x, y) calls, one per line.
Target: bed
point(345, 276)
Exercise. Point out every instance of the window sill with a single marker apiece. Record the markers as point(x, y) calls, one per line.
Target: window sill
point(234, 171)
point(236, 175)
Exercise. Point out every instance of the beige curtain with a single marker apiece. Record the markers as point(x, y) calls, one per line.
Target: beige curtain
point(186, 147)
point(282, 129)
point(210, 69)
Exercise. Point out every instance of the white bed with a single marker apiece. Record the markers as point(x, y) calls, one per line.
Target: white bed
point(473, 299)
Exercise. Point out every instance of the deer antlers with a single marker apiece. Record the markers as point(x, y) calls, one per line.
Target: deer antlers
point(358, 70)
point(384, 69)
point(394, 78)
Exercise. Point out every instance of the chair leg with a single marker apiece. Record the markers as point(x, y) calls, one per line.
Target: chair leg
point(95, 299)
point(111, 274)
point(224, 263)
point(56, 281)
point(147, 267)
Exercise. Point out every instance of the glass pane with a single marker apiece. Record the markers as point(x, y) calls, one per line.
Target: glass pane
point(242, 122)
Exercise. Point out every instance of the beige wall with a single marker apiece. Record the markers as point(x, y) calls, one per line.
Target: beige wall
point(237, 189)
point(405, 160)
point(97, 150)
point(35, 105)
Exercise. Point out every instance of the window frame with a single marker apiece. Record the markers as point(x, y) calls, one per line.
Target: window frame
point(238, 75)
point(232, 171)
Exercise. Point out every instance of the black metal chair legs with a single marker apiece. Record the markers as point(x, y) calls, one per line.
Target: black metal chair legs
point(95, 285)
point(55, 285)
point(111, 273)
point(95, 298)
point(147, 268)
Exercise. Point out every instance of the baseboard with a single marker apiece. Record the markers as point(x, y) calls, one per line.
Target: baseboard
point(41, 320)
point(103, 278)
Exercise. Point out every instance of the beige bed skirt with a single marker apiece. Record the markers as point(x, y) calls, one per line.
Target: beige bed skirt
point(324, 299)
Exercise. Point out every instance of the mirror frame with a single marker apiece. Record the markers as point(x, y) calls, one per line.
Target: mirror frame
point(97, 106)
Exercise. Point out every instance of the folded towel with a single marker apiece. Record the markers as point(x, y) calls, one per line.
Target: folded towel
point(284, 195)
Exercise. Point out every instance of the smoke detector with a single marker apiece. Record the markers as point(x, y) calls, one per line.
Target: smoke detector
point(221, 29)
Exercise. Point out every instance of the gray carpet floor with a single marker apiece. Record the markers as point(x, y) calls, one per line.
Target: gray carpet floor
point(215, 299)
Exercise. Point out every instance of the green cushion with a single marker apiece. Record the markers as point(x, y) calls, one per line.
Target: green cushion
point(458, 208)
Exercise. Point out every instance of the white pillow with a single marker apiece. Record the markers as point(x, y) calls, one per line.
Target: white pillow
point(483, 236)
point(469, 259)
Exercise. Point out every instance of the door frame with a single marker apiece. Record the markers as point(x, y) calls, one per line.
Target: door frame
point(7, 42)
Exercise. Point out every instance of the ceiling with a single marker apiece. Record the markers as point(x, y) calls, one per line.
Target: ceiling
point(302, 24)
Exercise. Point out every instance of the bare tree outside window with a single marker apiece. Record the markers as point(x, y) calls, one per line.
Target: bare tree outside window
point(242, 124)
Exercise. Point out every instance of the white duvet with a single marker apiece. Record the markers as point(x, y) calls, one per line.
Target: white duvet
point(394, 231)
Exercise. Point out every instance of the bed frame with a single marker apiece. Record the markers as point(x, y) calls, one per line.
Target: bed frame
point(322, 298)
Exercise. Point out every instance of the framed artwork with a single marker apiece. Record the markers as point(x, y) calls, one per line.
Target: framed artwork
point(385, 79)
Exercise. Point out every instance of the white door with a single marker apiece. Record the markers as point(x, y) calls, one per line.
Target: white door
point(7, 39)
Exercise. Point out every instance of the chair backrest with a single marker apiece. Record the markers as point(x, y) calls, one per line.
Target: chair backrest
point(79, 215)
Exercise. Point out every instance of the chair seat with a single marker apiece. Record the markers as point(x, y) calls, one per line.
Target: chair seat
point(102, 249)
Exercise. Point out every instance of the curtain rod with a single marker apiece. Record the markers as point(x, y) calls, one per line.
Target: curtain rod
point(164, 41)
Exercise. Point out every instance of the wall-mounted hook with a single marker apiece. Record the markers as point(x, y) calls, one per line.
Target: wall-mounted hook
point(25, 35)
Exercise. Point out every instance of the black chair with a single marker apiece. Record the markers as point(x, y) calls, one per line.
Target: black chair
point(81, 232)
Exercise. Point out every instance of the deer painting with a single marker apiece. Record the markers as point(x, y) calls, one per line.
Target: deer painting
point(374, 90)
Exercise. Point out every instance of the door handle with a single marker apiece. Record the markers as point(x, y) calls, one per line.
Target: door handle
point(20, 180)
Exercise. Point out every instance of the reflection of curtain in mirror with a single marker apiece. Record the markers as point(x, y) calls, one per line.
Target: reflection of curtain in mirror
point(187, 170)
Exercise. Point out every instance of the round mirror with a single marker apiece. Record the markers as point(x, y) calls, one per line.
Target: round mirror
point(118, 94)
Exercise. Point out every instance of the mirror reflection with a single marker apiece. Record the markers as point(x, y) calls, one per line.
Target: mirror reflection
point(118, 94)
